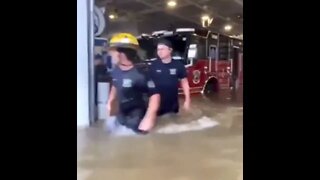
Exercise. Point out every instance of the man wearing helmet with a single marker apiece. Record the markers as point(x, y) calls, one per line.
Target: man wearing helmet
point(130, 84)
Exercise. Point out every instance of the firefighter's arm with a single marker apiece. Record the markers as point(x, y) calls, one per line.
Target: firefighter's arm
point(182, 75)
point(112, 95)
point(111, 100)
point(153, 105)
point(186, 89)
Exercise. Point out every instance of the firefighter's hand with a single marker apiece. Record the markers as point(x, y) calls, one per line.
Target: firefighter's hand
point(186, 105)
point(146, 124)
point(109, 108)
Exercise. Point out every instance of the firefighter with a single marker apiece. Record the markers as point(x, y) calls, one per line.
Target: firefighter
point(130, 84)
point(167, 74)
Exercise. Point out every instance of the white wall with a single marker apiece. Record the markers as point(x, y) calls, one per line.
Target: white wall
point(82, 64)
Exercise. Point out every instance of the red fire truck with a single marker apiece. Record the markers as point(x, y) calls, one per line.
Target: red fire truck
point(213, 61)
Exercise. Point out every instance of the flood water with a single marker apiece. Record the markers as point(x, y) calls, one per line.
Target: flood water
point(204, 144)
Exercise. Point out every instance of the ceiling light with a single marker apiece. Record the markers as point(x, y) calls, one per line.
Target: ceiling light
point(206, 20)
point(205, 17)
point(112, 16)
point(227, 27)
point(172, 3)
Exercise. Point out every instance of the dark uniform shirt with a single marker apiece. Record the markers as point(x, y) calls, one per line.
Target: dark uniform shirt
point(167, 79)
point(133, 88)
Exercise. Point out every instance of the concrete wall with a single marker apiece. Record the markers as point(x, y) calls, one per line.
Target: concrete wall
point(82, 64)
point(123, 26)
point(120, 25)
point(151, 25)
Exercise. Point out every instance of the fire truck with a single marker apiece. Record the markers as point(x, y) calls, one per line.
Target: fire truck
point(213, 61)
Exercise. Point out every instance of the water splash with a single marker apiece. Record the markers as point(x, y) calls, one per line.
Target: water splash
point(202, 123)
point(170, 126)
point(116, 129)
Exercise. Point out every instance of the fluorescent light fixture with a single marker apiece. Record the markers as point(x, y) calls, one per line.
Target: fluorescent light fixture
point(205, 17)
point(112, 16)
point(172, 3)
point(227, 27)
point(185, 30)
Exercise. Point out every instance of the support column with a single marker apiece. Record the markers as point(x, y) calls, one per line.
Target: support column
point(83, 118)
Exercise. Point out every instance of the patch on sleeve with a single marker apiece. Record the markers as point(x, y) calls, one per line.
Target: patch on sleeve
point(151, 84)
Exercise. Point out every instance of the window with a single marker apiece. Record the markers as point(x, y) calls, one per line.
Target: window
point(224, 42)
point(192, 52)
point(212, 52)
point(179, 44)
point(237, 42)
point(212, 49)
point(147, 49)
point(201, 46)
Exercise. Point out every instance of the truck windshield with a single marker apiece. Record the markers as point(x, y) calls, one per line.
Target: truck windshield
point(179, 44)
point(148, 48)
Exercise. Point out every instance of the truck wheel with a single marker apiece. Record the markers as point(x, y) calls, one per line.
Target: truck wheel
point(209, 89)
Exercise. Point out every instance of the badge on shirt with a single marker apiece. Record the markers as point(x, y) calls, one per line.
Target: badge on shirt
point(151, 84)
point(158, 70)
point(127, 83)
point(173, 71)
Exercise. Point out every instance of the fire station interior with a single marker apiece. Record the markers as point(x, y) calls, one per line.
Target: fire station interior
point(205, 142)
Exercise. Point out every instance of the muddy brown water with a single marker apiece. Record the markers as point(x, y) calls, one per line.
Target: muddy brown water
point(210, 153)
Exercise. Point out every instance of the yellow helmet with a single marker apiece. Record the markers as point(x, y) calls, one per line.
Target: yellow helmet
point(124, 40)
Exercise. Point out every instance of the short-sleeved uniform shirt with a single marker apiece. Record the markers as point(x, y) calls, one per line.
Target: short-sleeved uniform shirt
point(133, 88)
point(167, 78)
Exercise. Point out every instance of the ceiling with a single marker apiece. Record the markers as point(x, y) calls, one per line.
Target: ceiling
point(151, 15)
